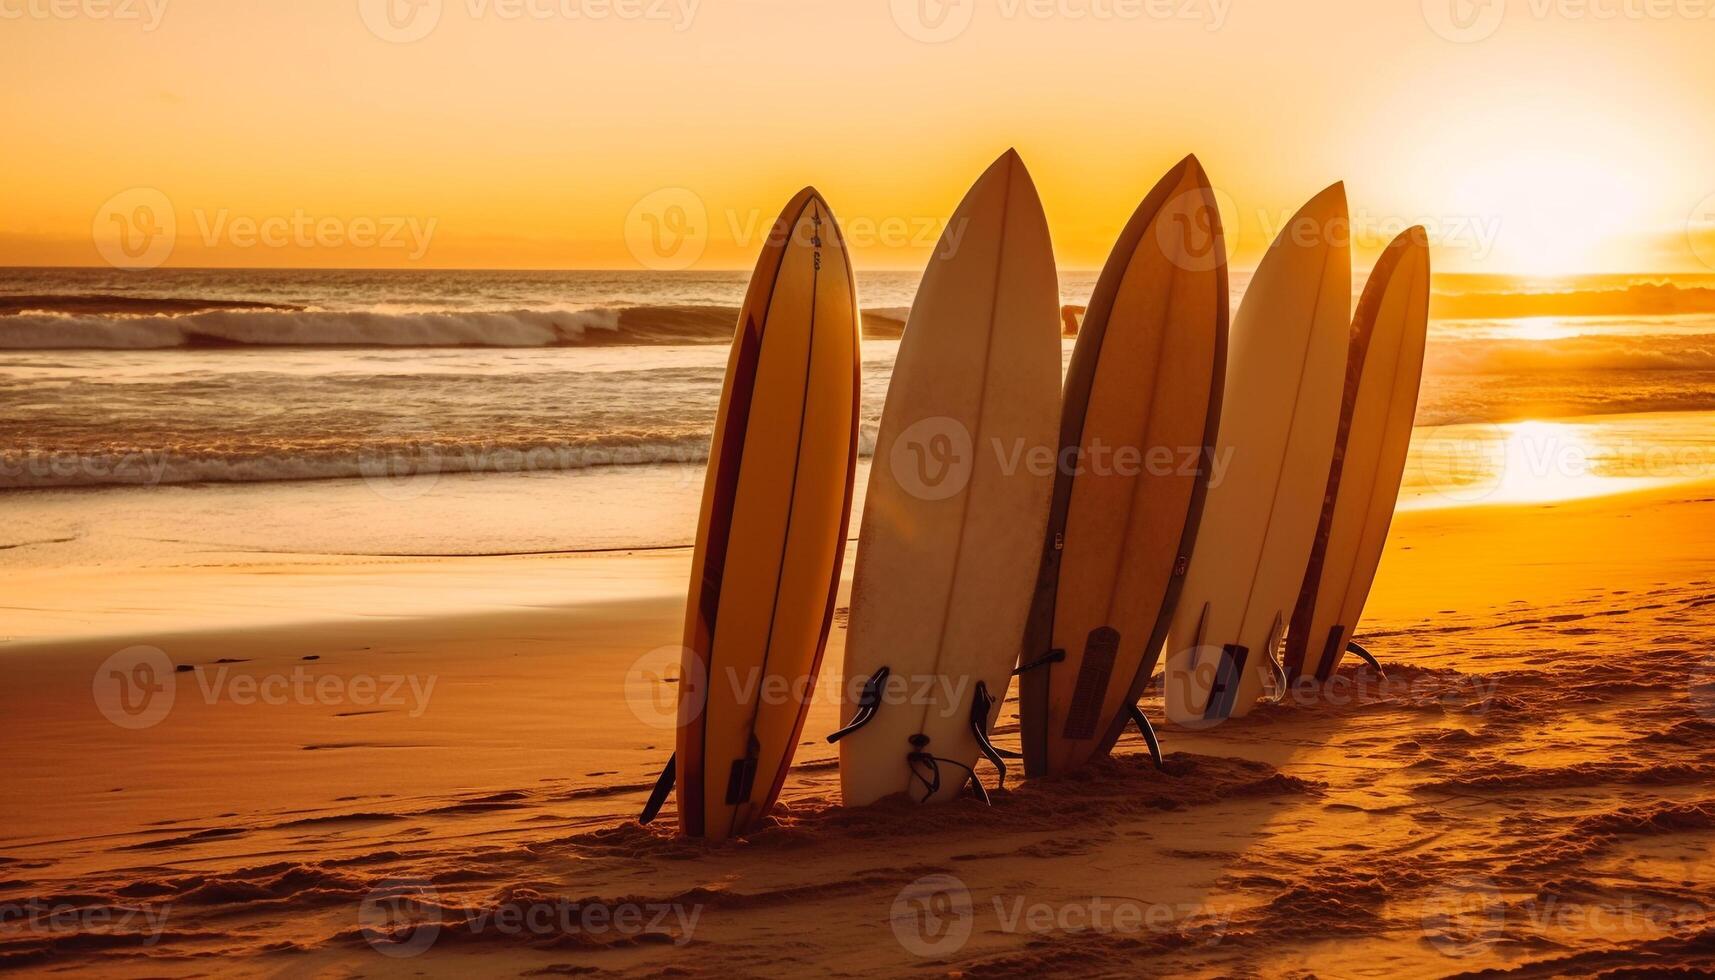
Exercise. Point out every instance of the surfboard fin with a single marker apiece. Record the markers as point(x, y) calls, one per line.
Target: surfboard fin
point(1051, 657)
point(1366, 657)
point(1275, 634)
point(981, 702)
point(868, 702)
point(663, 785)
point(1147, 730)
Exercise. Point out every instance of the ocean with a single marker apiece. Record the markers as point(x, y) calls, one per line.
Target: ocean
point(241, 378)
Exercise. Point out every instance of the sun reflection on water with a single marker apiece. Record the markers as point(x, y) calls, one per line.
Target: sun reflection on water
point(1538, 461)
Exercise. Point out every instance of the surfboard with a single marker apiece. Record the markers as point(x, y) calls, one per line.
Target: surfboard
point(1384, 370)
point(771, 533)
point(1142, 400)
point(1277, 431)
point(957, 499)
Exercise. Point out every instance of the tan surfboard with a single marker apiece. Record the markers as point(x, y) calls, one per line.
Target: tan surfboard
point(1141, 404)
point(1278, 421)
point(771, 536)
point(1384, 371)
point(957, 501)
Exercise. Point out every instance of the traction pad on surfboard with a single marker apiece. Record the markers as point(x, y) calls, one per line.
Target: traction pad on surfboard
point(742, 779)
point(1094, 672)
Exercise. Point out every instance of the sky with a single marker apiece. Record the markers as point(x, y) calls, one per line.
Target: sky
point(1529, 136)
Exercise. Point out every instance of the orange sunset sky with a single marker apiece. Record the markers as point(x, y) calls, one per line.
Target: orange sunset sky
point(1530, 136)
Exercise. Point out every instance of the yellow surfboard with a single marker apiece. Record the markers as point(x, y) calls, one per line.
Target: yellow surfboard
point(771, 537)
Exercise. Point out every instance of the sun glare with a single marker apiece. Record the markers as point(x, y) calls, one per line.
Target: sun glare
point(1525, 462)
point(1553, 214)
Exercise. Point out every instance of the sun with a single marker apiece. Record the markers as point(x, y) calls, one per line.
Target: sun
point(1551, 213)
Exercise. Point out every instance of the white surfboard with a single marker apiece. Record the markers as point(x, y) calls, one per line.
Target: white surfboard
point(1286, 362)
point(1383, 374)
point(955, 514)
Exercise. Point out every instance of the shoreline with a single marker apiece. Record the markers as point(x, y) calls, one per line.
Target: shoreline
point(119, 561)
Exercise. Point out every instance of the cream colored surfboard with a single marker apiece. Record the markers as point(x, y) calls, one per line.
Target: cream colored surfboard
point(1383, 374)
point(958, 496)
point(1142, 400)
point(1285, 367)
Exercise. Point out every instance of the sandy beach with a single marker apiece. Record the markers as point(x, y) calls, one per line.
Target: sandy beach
point(364, 794)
